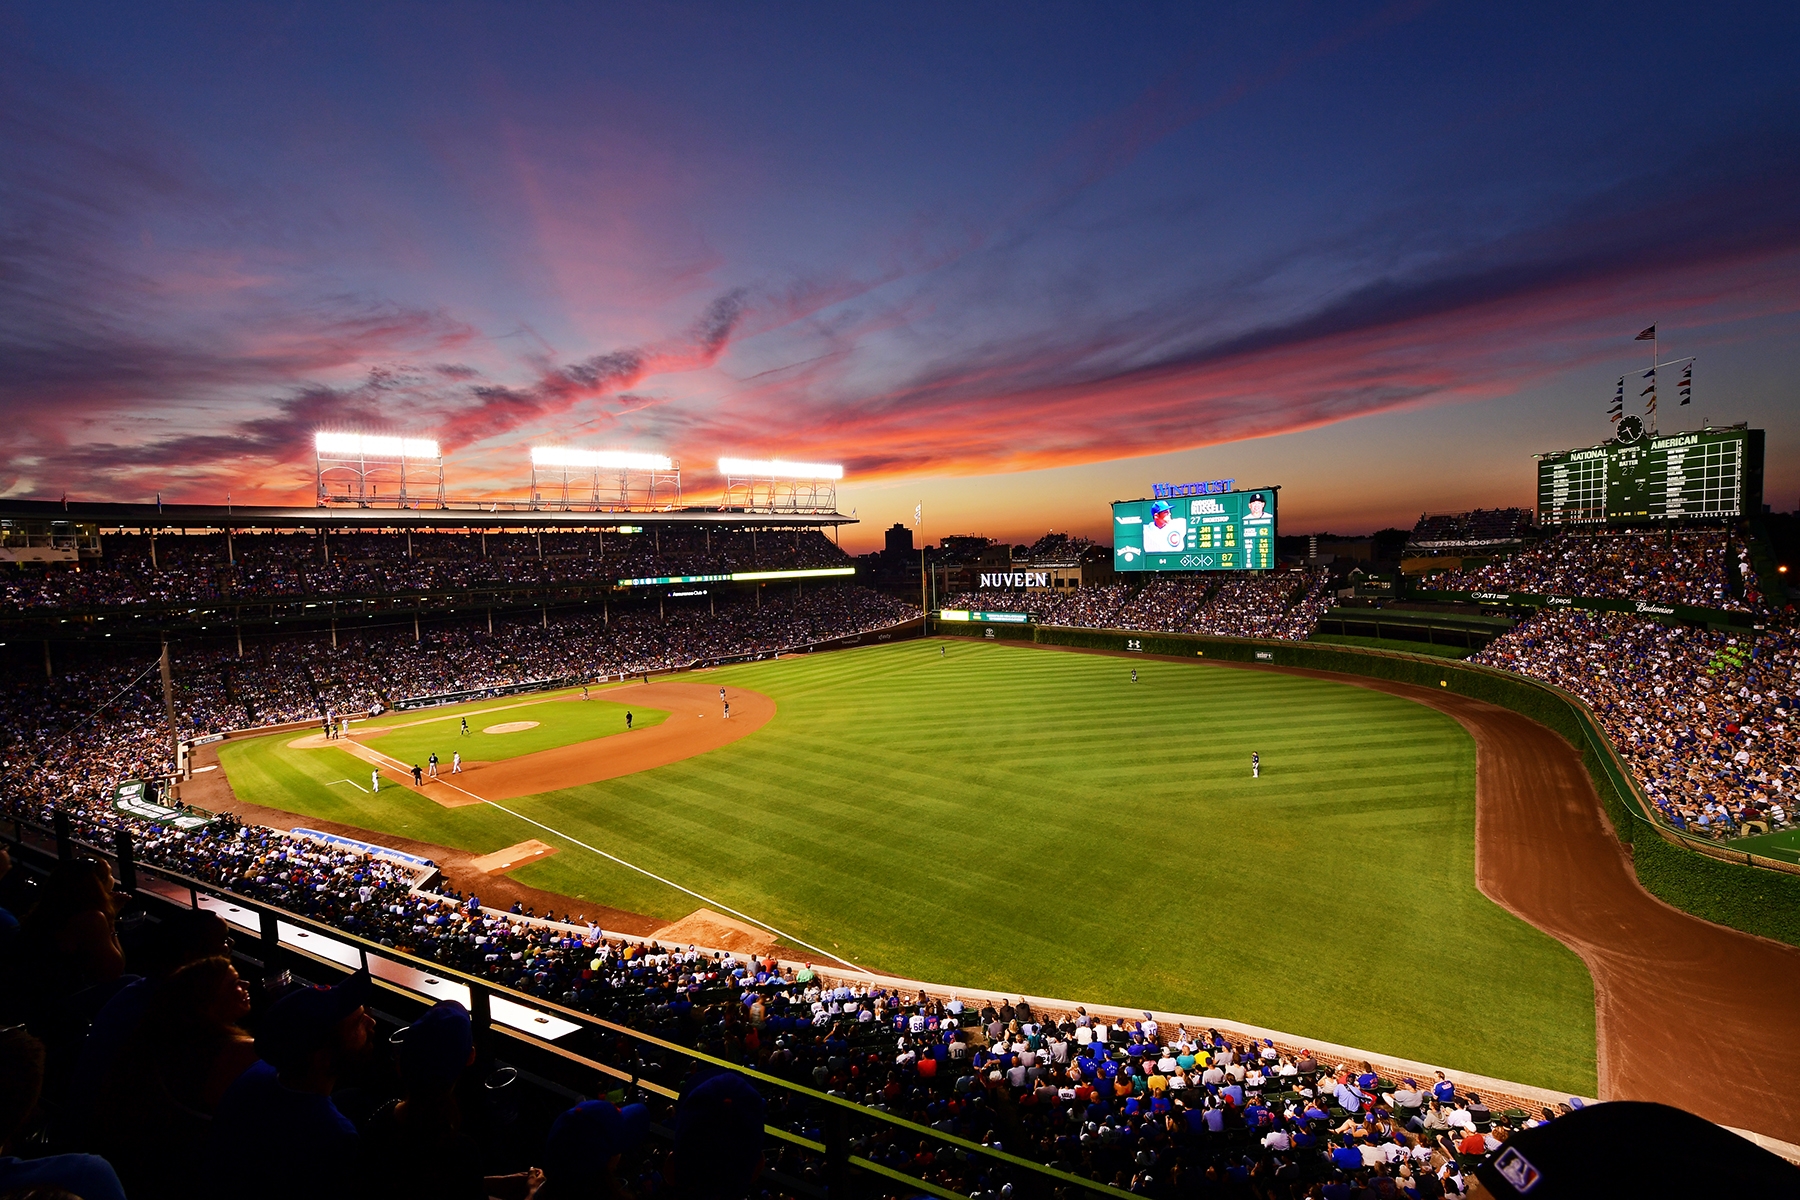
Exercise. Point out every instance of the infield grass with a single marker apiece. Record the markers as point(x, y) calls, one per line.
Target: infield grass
point(558, 723)
point(1031, 820)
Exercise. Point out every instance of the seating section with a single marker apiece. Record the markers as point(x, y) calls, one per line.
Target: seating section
point(1701, 567)
point(272, 566)
point(1704, 719)
point(1285, 605)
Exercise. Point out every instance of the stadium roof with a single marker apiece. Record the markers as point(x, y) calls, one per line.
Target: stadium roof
point(240, 516)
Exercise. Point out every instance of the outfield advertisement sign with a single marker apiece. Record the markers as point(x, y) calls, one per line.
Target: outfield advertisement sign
point(1227, 531)
point(1651, 608)
point(992, 618)
point(134, 798)
point(739, 577)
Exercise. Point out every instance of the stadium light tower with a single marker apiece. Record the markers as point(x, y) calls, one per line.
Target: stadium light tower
point(569, 477)
point(368, 469)
point(777, 485)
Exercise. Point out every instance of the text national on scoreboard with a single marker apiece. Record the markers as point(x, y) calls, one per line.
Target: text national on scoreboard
point(1229, 531)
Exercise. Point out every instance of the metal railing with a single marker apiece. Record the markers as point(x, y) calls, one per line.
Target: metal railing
point(571, 1051)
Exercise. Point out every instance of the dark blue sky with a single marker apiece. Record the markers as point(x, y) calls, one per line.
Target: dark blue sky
point(1014, 262)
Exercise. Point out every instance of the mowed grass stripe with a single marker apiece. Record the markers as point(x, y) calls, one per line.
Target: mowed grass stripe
point(1028, 820)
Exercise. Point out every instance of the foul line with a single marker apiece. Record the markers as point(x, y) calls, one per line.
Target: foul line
point(615, 858)
point(359, 787)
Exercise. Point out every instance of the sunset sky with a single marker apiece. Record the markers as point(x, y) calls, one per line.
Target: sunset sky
point(1009, 262)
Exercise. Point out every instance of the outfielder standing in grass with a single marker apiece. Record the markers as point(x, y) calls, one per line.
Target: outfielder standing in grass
point(375, 780)
point(465, 728)
point(1255, 765)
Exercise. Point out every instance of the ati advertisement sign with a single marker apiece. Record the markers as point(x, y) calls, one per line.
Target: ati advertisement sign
point(1013, 580)
point(1234, 531)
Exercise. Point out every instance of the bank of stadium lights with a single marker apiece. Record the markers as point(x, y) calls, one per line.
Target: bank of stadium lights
point(363, 445)
point(620, 460)
point(572, 477)
point(777, 485)
point(366, 469)
point(775, 468)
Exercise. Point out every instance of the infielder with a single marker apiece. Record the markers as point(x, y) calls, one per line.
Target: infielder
point(728, 710)
point(465, 728)
point(628, 719)
point(375, 780)
point(456, 762)
point(433, 761)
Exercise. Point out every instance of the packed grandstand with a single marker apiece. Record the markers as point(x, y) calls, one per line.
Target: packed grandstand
point(1701, 716)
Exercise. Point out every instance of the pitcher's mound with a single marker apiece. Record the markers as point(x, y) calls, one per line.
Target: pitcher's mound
point(510, 727)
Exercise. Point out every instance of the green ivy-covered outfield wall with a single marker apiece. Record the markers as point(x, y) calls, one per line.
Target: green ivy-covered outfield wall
point(1754, 899)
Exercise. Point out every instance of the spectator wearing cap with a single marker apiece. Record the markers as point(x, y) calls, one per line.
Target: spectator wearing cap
point(585, 1147)
point(278, 1134)
point(21, 1084)
point(718, 1139)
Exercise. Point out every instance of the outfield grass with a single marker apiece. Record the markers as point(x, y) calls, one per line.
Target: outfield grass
point(560, 722)
point(1401, 644)
point(1024, 819)
point(1783, 844)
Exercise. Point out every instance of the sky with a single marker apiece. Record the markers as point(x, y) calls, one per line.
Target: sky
point(1006, 263)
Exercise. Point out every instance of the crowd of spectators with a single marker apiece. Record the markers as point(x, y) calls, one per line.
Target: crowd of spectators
point(218, 689)
point(1704, 719)
point(209, 568)
point(1156, 1111)
point(1705, 568)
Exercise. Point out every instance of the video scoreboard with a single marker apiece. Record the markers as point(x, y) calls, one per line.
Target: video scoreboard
point(1228, 531)
point(1640, 476)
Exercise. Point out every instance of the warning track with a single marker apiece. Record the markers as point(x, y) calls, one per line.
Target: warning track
point(1687, 1013)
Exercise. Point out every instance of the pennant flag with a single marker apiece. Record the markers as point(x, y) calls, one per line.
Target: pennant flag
point(1687, 383)
point(1649, 335)
point(1650, 374)
point(1649, 391)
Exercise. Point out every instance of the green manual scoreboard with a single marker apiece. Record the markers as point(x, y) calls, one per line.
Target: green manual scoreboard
point(1229, 531)
point(1640, 476)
